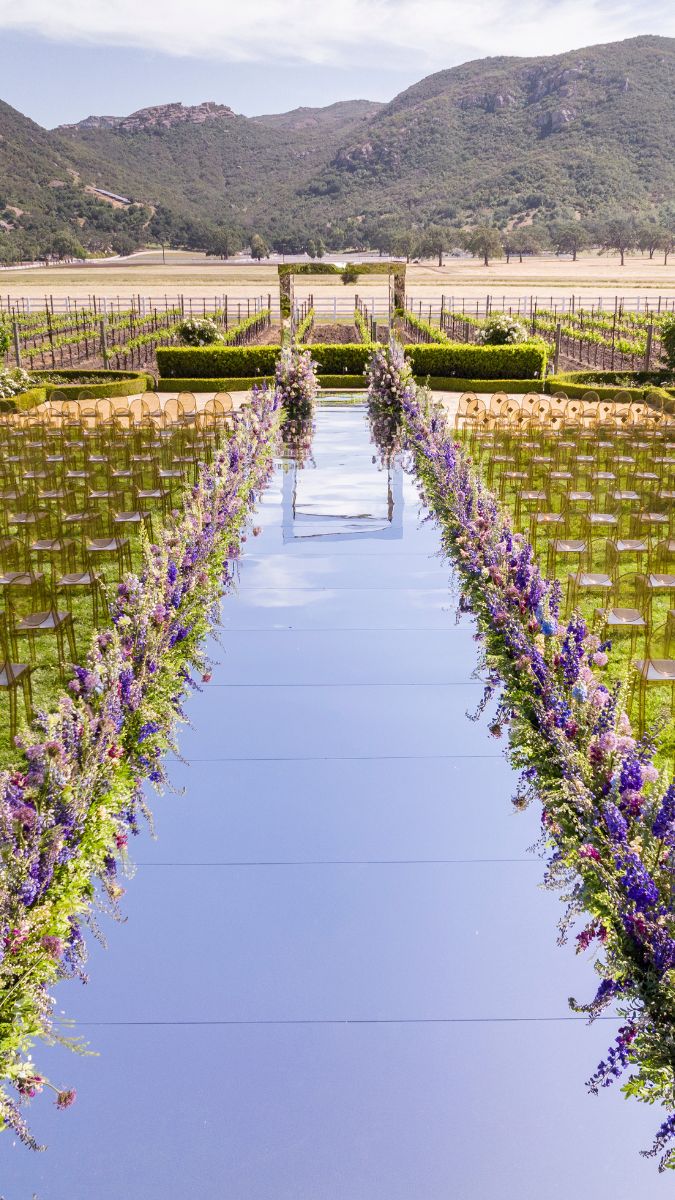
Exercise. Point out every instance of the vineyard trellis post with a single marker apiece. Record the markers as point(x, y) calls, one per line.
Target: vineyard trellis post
point(648, 347)
point(104, 343)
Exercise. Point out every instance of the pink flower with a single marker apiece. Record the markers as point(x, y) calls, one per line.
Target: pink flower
point(65, 1098)
point(207, 676)
point(52, 945)
point(588, 851)
point(650, 772)
point(600, 658)
point(600, 698)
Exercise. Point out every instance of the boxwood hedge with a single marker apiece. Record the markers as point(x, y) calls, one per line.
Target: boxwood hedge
point(452, 360)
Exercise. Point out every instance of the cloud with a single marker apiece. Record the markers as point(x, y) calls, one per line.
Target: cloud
point(377, 33)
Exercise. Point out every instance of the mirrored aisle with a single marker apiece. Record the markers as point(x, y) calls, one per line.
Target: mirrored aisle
point(338, 978)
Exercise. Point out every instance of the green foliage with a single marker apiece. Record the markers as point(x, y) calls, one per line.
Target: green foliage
point(438, 383)
point(259, 247)
point(432, 332)
point(4, 338)
point(525, 361)
point(216, 362)
point(362, 327)
point(242, 383)
point(485, 241)
point(668, 339)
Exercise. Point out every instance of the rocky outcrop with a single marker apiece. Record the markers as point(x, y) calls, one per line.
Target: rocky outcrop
point(159, 117)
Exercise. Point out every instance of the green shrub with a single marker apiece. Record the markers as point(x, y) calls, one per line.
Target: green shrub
point(451, 360)
point(577, 383)
point(517, 386)
point(241, 383)
point(216, 362)
point(461, 361)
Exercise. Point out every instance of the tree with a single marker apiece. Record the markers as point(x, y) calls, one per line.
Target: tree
point(527, 239)
point(64, 245)
point(618, 233)
point(316, 247)
point(649, 235)
point(161, 227)
point(666, 243)
point(569, 237)
point(436, 240)
point(124, 243)
point(222, 243)
point(259, 247)
point(485, 241)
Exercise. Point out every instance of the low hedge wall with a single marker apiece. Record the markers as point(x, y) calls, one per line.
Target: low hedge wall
point(457, 360)
point(244, 383)
point(108, 383)
point(216, 362)
point(440, 383)
point(241, 383)
point(453, 360)
point(575, 384)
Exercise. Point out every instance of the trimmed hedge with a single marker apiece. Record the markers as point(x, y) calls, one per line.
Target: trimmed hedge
point(575, 384)
point(110, 383)
point(517, 386)
point(452, 361)
point(23, 400)
point(242, 383)
point(457, 360)
point(216, 362)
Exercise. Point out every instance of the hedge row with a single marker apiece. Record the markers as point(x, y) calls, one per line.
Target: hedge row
point(108, 383)
point(240, 383)
point(452, 361)
point(575, 386)
point(461, 361)
point(518, 386)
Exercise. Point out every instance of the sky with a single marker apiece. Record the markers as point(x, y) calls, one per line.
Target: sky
point(114, 56)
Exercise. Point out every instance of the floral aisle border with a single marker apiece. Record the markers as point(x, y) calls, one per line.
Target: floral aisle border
point(67, 811)
point(608, 814)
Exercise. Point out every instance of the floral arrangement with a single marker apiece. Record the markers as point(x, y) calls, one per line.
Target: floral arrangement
point(198, 331)
point(66, 812)
point(608, 817)
point(389, 375)
point(502, 330)
point(13, 380)
point(296, 383)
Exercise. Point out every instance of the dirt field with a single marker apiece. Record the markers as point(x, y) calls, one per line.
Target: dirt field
point(194, 275)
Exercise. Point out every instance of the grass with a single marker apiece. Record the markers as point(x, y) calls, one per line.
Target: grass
point(193, 274)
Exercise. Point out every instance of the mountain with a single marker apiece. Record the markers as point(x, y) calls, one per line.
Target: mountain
point(340, 116)
point(505, 138)
point(586, 129)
